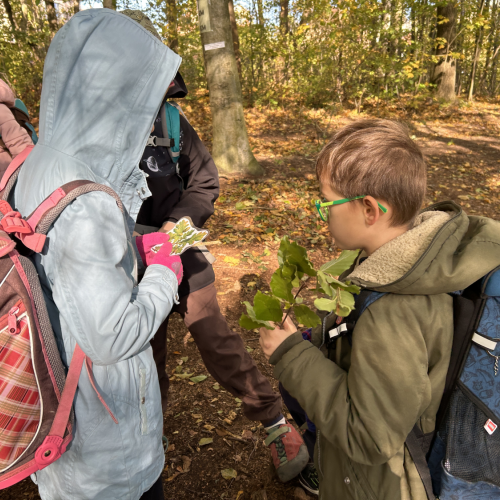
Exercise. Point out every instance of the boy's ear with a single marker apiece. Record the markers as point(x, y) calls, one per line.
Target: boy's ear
point(371, 210)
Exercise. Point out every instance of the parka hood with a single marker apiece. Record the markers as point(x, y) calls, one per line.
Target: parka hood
point(444, 252)
point(7, 96)
point(104, 79)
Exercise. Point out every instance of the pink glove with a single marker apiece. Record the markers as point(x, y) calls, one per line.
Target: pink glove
point(154, 248)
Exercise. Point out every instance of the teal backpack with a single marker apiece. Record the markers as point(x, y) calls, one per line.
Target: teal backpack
point(171, 125)
point(22, 116)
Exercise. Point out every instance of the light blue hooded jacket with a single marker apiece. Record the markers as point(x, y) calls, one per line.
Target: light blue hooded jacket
point(103, 83)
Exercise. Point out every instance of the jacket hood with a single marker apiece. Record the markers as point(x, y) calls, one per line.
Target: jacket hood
point(104, 79)
point(178, 88)
point(7, 96)
point(445, 251)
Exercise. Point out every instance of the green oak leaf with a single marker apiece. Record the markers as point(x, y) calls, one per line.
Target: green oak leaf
point(267, 308)
point(281, 287)
point(324, 283)
point(306, 316)
point(345, 260)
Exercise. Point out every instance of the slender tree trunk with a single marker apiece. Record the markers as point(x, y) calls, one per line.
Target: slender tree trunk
point(51, 15)
point(171, 28)
point(284, 17)
point(109, 4)
point(260, 12)
point(230, 147)
point(8, 10)
point(236, 38)
point(477, 52)
point(445, 71)
point(489, 47)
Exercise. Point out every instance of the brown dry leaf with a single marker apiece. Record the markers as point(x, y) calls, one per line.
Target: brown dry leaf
point(239, 494)
point(172, 477)
point(221, 432)
point(237, 458)
point(196, 415)
point(229, 422)
point(209, 427)
point(186, 464)
point(192, 433)
point(171, 447)
point(247, 434)
point(232, 415)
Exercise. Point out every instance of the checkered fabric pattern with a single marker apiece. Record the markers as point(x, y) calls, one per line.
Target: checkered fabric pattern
point(19, 396)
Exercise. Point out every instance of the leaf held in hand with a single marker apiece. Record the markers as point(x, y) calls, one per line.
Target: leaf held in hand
point(267, 308)
point(281, 287)
point(306, 316)
point(345, 260)
point(325, 304)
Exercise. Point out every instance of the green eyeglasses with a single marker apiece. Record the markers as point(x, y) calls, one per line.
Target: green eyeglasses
point(324, 217)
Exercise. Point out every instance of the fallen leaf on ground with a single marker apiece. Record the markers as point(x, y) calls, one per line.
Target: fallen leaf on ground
point(186, 464)
point(196, 415)
point(209, 427)
point(232, 261)
point(221, 432)
point(228, 474)
point(198, 379)
point(171, 447)
point(247, 434)
point(173, 476)
point(205, 441)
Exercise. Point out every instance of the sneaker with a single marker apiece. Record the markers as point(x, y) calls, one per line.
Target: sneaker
point(309, 480)
point(288, 450)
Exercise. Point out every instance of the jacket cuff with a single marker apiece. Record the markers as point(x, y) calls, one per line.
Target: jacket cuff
point(285, 346)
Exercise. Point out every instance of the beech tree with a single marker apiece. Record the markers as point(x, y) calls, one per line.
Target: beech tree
point(445, 70)
point(230, 147)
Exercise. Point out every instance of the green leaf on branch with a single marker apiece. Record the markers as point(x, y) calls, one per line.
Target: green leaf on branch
point(345, 303)
point(267, 308)
point(281, 287)
point(306, 316)
point(249, 321)
point(328, 305)
point(342, 263)
point(292, 253)
point(330, 283)
point(323, 281)
point(288, 271)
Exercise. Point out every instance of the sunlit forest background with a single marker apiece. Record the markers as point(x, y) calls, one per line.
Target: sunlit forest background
point(315, 53)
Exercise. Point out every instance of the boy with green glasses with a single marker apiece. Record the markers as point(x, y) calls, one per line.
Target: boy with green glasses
point(371, 380)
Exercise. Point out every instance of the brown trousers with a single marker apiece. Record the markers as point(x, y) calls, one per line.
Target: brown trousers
point(223, 353)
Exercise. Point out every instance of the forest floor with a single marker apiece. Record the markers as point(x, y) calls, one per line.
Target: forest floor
point(462, 148)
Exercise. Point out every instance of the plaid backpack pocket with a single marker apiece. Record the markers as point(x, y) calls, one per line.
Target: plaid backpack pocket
point(20, 409)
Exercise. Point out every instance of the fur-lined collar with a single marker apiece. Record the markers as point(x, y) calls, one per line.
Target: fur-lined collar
point(394, 259)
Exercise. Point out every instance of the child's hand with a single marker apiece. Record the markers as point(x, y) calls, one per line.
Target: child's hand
point(271, 339)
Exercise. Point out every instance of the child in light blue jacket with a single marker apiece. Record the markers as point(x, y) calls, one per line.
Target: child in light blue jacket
point(104, 79)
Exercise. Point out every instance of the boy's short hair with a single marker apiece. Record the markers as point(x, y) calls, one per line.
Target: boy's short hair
point(376, 158)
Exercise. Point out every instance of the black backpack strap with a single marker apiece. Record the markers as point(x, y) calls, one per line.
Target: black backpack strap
point(418, 445)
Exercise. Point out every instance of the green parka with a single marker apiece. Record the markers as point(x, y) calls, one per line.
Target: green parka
point(365, 399)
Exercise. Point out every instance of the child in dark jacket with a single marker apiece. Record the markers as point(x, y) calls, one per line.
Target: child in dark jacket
point(365, 394)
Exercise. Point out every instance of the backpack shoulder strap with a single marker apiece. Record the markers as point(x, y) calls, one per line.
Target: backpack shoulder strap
point(418, 445)
point(10, 176)
point(33, 229)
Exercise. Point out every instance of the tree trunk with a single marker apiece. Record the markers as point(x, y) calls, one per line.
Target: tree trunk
point(445, 71)
point(171, 28)
point(477, 51)
point(51, 15)
point(8, 10)
point(260, 12)
point(230, 147)
point(109, 4)
point(236, 38)
point(284, 17)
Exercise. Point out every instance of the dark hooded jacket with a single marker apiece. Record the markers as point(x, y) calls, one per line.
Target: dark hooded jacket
point(193, 194)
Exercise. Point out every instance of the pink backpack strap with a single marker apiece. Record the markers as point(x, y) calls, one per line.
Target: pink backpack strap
point(32, 231)
point(54, 445)
point(13, 168)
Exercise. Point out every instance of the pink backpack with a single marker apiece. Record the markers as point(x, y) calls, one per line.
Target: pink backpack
point(36, 393)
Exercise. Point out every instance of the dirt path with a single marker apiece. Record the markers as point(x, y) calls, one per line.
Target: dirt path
point(462, 147)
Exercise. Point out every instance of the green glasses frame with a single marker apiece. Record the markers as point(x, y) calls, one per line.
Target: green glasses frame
point(320, 205)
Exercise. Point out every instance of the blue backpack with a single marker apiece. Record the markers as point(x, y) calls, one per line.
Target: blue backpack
point(460, 460)
point(22, 116)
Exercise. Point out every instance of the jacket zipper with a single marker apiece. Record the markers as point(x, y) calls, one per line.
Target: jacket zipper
point(142, 395)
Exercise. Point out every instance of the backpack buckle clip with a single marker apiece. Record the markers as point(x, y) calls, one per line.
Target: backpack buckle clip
point(151, 141)
point(13, 222)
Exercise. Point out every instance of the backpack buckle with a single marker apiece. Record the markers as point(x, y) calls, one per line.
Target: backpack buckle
point(151, 141)
point(13, 222)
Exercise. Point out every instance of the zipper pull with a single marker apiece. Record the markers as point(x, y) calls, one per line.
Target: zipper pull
point(12, 321)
